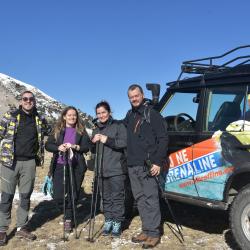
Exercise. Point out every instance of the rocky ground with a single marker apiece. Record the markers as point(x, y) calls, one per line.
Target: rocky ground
point(201, 228)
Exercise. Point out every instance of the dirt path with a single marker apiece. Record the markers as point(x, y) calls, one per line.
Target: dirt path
point(202, 228)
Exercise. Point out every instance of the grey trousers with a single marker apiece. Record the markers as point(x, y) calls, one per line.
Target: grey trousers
point(23, 175)
point(146, 193)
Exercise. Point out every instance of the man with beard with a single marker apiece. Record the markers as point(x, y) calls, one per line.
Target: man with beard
point(22, 149)
point(147, 142)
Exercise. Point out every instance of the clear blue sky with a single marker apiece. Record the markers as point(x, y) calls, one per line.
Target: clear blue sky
point(81, 52)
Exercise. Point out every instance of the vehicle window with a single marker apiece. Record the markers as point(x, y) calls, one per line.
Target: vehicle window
point(225, 105)
point(247, 113)
point(181, 110)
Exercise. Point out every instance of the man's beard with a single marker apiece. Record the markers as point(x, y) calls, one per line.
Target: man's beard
point(28, 111)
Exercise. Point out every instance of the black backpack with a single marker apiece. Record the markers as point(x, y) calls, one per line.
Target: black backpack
point(147, 116)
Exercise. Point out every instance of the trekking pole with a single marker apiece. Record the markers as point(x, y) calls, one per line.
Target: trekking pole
point(94, 201)
point(94, 191)
point(71, 186)
point(64, 195)
point(179, 227)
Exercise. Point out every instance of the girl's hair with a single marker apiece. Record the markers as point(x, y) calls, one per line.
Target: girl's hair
point(61, 123)
point(103, 104)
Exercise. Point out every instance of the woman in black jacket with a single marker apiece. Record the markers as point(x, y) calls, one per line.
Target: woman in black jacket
point(68, 134)
point(113, 138)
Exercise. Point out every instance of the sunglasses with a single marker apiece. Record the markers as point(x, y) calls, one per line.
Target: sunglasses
point(26, 99)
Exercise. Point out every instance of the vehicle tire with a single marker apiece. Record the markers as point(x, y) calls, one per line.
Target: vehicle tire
point(240, 218)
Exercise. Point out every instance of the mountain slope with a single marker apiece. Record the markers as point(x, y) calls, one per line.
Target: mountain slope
point(10, 90)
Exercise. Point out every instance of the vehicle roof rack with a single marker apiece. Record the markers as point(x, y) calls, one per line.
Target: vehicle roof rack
point(206, 65)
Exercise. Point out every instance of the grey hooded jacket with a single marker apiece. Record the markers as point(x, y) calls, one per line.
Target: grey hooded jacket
point(113, 157)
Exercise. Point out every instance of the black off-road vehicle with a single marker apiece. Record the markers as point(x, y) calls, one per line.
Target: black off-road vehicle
point(208, 120)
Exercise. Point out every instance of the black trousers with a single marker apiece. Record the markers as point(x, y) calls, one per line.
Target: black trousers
point(58, 187)
point(146, 193)
point(113, 194)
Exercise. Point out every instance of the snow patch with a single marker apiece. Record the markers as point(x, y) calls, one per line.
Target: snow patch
point(51, 246)
point(35, 197)
point(117, 243)
point(6, 80)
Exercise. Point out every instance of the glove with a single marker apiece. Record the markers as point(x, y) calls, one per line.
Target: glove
point(47, 187)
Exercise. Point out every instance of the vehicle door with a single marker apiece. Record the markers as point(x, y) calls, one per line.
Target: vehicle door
point(216, 156)
point(181, 112)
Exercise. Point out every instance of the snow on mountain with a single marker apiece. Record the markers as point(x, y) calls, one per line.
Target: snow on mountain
point(10, 94)
point(9, 82)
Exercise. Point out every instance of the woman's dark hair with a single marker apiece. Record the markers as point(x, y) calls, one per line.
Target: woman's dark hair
point(103, 104)
point(61, 123)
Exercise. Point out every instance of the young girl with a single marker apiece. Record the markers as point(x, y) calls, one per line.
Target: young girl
point(112, 134)
point(69, 133)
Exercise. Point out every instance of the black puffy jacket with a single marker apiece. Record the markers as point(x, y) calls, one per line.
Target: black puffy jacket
point(52, 146)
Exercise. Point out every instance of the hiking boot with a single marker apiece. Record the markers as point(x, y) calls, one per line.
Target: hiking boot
point(139, 238)
point(68, 226)
point(25, 234)
point(116, 229)
point(107, 227)
point(151, 242)
point(3, 238)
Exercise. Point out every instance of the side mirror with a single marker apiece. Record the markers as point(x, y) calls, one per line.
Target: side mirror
point(196, 99)
point(155, 89)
